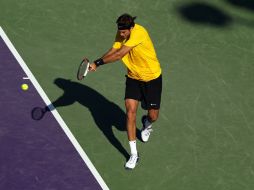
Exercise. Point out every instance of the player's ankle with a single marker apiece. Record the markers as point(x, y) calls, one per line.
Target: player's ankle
point(133, 147)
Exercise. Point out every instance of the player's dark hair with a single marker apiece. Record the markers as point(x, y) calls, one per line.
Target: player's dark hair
point(125, 21)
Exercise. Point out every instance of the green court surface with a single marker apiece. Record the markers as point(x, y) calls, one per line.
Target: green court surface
point(204, 137)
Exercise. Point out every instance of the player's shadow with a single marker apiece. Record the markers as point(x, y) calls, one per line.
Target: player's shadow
point(246, 4)
point(106, 114)
point(201, 13)
point(206, 14)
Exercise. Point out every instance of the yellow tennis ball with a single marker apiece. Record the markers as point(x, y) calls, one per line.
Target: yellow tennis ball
point(24, 87)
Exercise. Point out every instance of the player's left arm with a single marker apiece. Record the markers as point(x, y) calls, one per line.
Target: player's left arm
point(115, 56)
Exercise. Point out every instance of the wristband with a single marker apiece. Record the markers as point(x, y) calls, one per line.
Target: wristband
point(99, 62)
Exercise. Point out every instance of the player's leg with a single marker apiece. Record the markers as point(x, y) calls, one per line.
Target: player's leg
point(152, 98)
point(131, 112)
point(147, 120)
point(152, 115)
point(132, 95)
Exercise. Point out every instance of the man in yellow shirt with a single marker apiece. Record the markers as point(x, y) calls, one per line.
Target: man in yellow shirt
point(143, 80)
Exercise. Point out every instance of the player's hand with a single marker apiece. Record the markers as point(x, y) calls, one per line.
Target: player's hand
point(92, 67)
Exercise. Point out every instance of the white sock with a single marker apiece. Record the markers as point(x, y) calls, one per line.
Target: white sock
point(133, 147)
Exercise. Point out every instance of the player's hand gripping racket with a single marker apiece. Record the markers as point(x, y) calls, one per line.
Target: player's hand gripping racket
point(83, 69)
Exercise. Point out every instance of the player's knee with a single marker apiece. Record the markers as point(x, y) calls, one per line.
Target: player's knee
point(153, 117)
point(131, 114)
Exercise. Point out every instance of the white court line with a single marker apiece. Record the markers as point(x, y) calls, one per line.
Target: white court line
point(54, 111)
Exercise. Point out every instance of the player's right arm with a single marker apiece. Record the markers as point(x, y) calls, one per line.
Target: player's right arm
point(109, 52)
point(117, 55)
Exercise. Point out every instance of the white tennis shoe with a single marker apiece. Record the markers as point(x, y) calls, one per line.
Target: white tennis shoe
point(132, 162)
point(146, 130)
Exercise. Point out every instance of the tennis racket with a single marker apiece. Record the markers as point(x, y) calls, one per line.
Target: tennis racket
point(83, 69)
point(37, 113)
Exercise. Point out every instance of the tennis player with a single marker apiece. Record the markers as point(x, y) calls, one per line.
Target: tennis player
point(143, 80)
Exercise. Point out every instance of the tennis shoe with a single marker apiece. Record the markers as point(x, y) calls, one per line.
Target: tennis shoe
point(132, 162)
point(146, 130)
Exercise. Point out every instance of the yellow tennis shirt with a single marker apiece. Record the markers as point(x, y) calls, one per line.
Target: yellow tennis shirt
point(141, 61)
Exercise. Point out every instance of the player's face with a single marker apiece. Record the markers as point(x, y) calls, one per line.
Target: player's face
point(125, 33)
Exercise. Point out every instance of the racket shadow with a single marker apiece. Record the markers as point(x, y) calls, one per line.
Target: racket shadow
point(106, 114)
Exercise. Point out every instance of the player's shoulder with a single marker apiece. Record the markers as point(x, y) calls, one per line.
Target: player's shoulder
point(139, 29)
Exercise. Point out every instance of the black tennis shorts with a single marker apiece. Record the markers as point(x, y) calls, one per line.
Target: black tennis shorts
point(149, 93)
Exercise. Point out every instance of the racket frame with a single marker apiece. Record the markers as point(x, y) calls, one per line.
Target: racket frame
point(84, 61)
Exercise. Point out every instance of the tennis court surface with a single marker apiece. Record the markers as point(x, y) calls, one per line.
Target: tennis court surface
point(204, 137)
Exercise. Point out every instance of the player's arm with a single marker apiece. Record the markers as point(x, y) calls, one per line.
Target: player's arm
point(112, 56)
point(109, 52)
point(117, 55)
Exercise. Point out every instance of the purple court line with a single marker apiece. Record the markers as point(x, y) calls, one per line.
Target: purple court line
point(34, 155)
